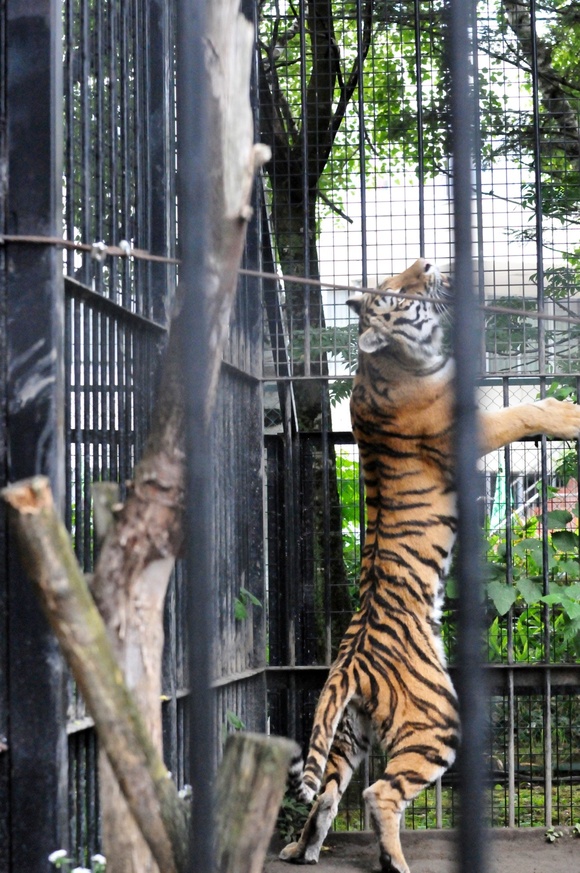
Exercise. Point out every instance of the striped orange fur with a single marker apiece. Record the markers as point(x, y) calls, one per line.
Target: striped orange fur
point(390, 677)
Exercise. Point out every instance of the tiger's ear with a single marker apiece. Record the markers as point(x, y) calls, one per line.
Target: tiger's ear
point(355, 303)
point(372, 340)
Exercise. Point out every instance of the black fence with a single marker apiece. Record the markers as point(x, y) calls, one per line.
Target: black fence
point(92, 126)
point(354, 99)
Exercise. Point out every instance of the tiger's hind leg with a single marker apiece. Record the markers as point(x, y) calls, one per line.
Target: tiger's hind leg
point(351, 742)
point(408, 772)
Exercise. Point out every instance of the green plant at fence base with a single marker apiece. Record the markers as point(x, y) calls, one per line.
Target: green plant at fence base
point(291, 818)
point(242, 603)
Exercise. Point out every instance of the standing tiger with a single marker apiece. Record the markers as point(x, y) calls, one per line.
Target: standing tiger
point(390, 675)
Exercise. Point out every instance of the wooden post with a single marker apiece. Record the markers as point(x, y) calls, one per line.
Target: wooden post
point(250, 787)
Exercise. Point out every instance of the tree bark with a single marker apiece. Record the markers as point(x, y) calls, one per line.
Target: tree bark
point(250, 787)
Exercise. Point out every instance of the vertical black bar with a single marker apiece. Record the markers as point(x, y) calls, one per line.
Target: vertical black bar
point(470, 678)
point(160, 142)
point(83, 168)
point(420, 143)
point(4, 649)
point(305, 133)
point(547, 698)
point(113, 126)
point(510, 629)
point(477, 159)
point(326, 522)
point(193, 200)
point(125, 226)
point(361, 147)
point(69, 156)
point(538, 187)
point(34, 410)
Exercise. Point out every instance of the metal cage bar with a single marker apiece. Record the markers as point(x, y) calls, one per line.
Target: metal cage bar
point(35, 758)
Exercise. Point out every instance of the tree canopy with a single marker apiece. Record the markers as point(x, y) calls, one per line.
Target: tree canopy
point(353, 90)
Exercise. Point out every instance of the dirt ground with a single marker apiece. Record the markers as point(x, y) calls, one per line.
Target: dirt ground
point(522, 850)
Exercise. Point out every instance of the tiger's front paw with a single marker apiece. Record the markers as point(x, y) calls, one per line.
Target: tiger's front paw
point(562, 418)
point(294, 853)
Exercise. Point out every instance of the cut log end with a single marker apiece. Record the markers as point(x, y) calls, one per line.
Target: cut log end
point(250, 787)
point(29, 496)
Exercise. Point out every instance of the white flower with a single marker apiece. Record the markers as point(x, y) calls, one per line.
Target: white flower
point(99, 859)
point(80, 870)
point(57, 855)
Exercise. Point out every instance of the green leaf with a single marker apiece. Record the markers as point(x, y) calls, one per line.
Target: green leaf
point(251, 597)
point(558, 518)
point(529, 548)
point(570, 568)
point(235, 721)
point(565, 540)
point(572, 609)
point(530, 591)
point(501, 595)
point(552, 599)
point(240, 610)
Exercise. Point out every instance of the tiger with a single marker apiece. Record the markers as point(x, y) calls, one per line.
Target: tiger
point(390, 676)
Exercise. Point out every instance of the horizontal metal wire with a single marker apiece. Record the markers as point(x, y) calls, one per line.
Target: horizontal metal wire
point(101, 250)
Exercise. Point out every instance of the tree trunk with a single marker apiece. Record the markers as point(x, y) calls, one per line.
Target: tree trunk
point(293, 215)
point(554, 95)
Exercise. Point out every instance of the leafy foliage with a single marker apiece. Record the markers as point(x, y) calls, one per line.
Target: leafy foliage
point(348, 473)
point(521, 601)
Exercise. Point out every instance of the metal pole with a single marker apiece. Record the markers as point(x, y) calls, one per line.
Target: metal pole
point(470, 674)
point(193, 205)
point(33, 778)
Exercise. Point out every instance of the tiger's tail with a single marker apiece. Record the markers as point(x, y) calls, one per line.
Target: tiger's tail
point(295, 774)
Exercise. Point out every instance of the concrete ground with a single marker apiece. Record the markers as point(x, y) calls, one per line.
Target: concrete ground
point(522, 850)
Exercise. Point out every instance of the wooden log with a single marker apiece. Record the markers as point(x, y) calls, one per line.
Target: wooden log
point(48, 557)
point(249, 791)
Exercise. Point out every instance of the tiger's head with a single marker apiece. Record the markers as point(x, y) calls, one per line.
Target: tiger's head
point(408, 331)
